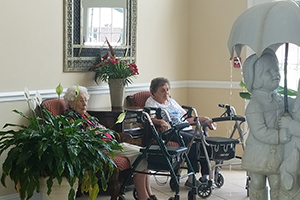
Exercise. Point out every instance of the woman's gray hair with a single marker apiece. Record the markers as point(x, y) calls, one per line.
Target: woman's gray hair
point(157, 82)
point(70, 94)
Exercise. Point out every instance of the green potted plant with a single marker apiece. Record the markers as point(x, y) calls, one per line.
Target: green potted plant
point(53, 148)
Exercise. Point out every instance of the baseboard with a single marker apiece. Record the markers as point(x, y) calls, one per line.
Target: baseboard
point(10, 197)
point(36, 196)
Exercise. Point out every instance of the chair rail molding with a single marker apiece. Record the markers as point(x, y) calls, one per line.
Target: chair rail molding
point(135, 87)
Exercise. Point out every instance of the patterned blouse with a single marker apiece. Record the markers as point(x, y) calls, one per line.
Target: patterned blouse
point(86, 125)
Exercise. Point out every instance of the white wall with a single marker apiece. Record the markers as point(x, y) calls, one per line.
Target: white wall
point(31, 39)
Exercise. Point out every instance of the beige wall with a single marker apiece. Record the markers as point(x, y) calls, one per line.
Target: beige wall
point(210, 25)
point(182, 40)
point(163, 34)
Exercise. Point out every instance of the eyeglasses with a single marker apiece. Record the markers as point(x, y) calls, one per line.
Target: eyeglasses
point(83, 100)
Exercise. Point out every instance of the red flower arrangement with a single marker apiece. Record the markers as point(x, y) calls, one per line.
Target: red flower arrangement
point(111, 67)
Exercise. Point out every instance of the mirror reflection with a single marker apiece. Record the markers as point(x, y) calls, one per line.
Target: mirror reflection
point(86, 25)
point(104, 19)
point(104, 23)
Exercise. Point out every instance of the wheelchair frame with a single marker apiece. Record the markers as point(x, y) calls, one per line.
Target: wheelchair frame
point(165, 152)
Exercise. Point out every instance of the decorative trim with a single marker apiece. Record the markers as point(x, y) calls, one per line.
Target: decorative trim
point(10, 197)
point(214, 84)
point(98, 90)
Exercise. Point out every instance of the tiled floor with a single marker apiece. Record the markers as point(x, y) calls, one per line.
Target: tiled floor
point(233, 188)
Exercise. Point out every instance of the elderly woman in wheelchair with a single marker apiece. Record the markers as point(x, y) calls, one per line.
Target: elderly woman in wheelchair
point(160, 98)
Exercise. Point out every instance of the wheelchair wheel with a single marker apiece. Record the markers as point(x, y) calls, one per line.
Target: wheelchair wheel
point(121, 197)
point(176, 197)
point(173, 184)
point(248, 185)
point(135, 194)
point(219, 180)
point(204, 191)
point(191, 195)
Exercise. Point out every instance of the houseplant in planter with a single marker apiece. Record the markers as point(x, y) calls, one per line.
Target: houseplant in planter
point(53, 148)
point(117, 73)
point(247, 95)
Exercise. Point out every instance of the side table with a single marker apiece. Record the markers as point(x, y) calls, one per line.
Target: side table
point(130, 130)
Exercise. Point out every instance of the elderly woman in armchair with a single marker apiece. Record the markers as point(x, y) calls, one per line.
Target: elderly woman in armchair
point(76, 101)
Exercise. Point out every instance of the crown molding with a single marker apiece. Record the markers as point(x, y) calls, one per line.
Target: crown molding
point(135, 87)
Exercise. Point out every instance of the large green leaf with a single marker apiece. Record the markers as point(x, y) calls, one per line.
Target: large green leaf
point(55, 147)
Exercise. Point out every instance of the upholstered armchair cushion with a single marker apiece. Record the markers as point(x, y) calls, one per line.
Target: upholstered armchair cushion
point(55, 106)
point(138, 99)
point(122, 163)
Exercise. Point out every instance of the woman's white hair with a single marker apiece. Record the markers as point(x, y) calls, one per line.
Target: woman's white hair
point(70, 94)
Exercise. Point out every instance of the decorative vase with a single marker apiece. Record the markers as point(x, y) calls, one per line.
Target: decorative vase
point(58, 191)
point(117, 93)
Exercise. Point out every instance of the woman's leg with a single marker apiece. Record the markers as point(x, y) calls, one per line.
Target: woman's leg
point(193, 153)
point(147, 184)
point(139, 181)
point(150, 194)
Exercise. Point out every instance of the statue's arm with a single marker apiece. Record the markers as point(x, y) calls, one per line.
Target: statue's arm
point(260, 130)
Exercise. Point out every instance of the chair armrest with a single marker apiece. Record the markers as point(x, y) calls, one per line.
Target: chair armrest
point(130, 101)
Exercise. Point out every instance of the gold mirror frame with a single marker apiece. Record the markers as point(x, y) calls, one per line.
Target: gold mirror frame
point(79, 57)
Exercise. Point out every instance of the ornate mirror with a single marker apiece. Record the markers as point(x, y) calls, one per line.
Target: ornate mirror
point(87, 24)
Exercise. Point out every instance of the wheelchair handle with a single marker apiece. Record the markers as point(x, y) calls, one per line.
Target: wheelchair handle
point(157, 111)
point(189, 112)
point(229, 118)
point(229, 109)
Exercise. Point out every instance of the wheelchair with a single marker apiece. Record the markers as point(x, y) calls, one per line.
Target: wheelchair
point(162, 158)
point(218, 149)
point(215, 149)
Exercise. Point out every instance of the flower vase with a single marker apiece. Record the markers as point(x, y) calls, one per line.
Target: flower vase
point(117, 93)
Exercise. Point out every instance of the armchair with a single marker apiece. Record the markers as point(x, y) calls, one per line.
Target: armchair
point(138, 99)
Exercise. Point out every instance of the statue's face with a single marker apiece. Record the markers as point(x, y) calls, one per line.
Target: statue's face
point(271, 75)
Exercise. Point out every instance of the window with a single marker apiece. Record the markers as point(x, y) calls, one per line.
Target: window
point(104, 22)
point(293, 61)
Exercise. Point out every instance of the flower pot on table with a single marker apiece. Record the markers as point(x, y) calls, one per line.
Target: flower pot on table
point(117, 93)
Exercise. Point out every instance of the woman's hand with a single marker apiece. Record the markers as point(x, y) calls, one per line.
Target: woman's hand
point(190, 120)
point(206, 121)
point(161, 124)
